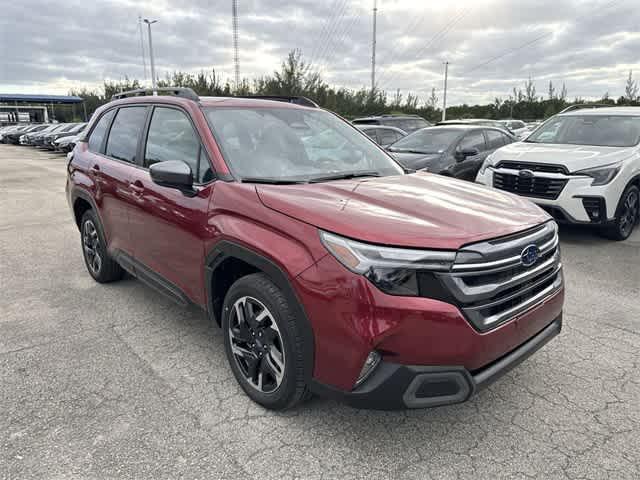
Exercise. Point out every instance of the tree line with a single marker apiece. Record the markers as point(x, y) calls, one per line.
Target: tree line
point(297, 77)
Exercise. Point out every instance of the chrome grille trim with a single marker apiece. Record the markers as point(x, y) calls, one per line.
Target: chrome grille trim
point(534, 167)
point(505, 264)
point(491, 285)
point(469, 294)
point(492, 321)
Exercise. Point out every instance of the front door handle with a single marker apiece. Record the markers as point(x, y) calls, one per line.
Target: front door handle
point(137, 187)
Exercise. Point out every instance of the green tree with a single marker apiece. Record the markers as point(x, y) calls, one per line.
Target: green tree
point(631, 88)
point(552, 91)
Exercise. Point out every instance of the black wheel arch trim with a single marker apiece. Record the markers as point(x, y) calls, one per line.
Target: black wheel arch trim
point(226, 249)
point(80, 193)
point(633, 181)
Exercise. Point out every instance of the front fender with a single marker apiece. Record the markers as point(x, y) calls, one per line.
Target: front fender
point(226, 249)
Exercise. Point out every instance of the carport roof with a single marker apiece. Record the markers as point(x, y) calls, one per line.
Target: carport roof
point(21, 97)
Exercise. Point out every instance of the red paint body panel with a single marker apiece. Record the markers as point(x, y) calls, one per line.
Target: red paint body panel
point(351, 317)
point(420, 210)
point(169, 230)
point(237, 214)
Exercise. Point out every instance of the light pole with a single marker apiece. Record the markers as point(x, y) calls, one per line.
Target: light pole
point(144, 60)
point(444, 99)
point(153, 65)
point(373, 47)
point(236, 51)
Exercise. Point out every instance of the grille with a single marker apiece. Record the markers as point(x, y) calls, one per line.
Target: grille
point(490, 284)
point(534, 167)
point(538, 187)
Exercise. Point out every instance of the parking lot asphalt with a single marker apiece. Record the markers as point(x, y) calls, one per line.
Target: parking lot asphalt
point(115, 381)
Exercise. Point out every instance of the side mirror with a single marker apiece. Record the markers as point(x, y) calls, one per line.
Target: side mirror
point(173, 174)
point(466, 152)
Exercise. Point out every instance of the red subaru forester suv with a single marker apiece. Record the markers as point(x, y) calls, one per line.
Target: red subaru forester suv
point(330, 269)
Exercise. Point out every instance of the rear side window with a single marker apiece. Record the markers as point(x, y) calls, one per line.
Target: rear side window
point(386, 136)
point(506, 139)
point(419, 123)
point(495, 139)
point(371, 133)
point(473, 140)
point(171, 137)
point(99, 132)
point(125, 132)
point(405, 125)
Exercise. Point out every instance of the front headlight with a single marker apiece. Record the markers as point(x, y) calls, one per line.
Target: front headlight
point(485, 164)
point(601, 175)
point(392, 270)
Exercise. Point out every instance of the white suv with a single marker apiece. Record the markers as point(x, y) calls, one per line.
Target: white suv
point(582, 167)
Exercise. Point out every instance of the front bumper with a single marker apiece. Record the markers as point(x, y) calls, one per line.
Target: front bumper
point(394, 386)
point(569, 206)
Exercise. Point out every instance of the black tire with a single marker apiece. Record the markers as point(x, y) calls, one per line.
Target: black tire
point(106, 269)
point(627, 215)
point(292, 390)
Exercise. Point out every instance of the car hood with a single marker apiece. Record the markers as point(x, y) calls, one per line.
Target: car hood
point(417, 210)
point(416, 161)
point(574, 157)
point(67, 139)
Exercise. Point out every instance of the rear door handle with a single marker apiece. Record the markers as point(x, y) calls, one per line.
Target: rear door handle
point(95, 168)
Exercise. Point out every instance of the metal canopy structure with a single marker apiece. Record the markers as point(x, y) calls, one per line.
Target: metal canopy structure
point(27, 98)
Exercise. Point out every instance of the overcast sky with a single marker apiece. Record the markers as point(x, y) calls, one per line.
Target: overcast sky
point(51, 46)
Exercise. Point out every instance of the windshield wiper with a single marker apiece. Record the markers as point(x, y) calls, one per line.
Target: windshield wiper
point(345, 176)
point(271, 181)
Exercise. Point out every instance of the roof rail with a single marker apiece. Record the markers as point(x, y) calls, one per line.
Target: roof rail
point(304, 101)
point(183, 92)
point(580, 106)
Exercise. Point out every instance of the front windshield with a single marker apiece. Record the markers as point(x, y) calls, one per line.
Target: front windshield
point(596, 130)
point(428, 140)
point(286, 144)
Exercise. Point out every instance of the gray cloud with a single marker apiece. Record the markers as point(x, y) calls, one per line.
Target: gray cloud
point(51, 46)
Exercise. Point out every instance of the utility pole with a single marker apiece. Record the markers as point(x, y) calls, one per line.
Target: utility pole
point(444, 97)
point(373, 47)
point(236, 54)
point(144, 60)
point(153, 66)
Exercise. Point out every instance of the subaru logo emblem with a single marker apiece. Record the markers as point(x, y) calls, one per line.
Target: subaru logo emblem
point(530, 255)
point(526, 173)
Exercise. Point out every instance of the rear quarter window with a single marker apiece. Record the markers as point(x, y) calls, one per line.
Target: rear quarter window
point(98, 133)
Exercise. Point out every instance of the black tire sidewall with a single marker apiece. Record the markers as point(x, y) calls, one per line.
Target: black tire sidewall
point(103, 275)
point(286, 392)
point(617, 232)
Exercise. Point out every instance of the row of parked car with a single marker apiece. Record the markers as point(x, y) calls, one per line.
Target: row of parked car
point(582, 165)
point(455, 148)
point(381, 128)
point(60, 137)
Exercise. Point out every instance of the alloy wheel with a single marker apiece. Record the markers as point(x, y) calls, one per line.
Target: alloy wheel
point(256, 344)
point(91, 244)
point(629, 214)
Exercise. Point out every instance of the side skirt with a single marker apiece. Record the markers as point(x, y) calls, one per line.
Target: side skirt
point(151, 278)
